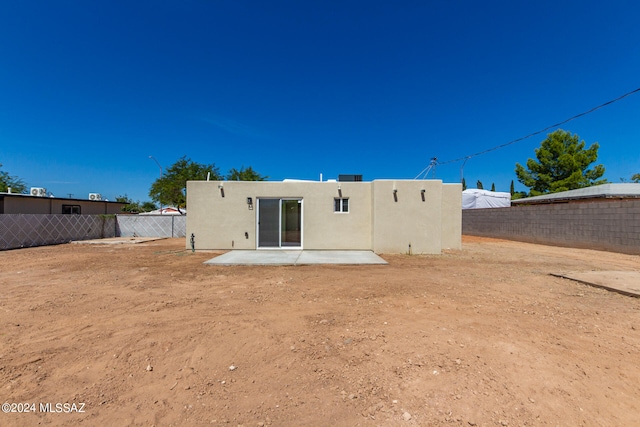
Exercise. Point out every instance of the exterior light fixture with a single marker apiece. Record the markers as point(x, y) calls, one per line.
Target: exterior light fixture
point(422, 194)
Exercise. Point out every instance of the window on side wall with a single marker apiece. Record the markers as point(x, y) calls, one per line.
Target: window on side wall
point(341, 204)
point(71, 209)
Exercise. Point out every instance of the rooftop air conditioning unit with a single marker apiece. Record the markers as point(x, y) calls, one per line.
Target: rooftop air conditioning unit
point(349, 178)
point(95, 196)
point(39, 192)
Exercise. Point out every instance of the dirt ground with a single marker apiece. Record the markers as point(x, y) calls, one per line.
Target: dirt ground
point(146, 335)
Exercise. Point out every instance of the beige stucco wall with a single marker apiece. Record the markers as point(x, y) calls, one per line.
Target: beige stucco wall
point(221, 222)
point(452, 216)
point(29, 205)
point(376, 220)
point(407, 219)
point(87, 207)
point(47, 205)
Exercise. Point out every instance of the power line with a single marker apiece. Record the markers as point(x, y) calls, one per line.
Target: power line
point(497, 147)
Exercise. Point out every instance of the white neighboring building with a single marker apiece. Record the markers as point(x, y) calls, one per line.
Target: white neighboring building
point(481, 199)
point(169, 210)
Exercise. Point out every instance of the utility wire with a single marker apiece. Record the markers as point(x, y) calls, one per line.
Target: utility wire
point(541, 130)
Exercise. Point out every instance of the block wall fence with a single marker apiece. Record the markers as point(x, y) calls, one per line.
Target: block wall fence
point(611, 225)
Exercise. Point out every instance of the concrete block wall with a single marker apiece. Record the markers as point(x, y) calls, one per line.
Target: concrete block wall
point(612, 225)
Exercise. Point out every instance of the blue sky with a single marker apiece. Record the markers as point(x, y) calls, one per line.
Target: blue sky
point(89, 90)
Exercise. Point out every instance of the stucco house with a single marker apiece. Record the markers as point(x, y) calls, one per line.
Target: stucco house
point(385, 216)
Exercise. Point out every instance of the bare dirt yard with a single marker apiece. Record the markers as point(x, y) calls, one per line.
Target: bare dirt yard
point(146, 335)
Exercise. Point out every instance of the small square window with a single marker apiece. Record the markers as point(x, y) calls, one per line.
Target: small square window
point(71, 209)
point(341, 204)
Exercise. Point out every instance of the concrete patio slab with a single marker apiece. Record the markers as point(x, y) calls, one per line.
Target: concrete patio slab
point(624, 282)
point(116, 240)
point(287, 257)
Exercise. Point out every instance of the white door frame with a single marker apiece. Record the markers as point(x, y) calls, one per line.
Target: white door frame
point(279, 247)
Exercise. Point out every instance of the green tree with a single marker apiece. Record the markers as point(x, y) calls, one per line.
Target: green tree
point(464, 184)
point(512, 189)
point(130, 206)
point(562, 164)
point(635, 177)
point(519, 195)
point(243, 174)
point(479, 185)
point(493, 186)
point(133, 206)
point(7, 181)
point(148, 206)
point(170, 189)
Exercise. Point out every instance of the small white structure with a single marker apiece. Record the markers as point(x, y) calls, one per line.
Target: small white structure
point(168, 210)
point(481, 199)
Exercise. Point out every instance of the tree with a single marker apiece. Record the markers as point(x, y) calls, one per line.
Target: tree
point(493, 186)
point(132, 206)
point(635, 178)
point(464, 184)
point(479, 185)
point(148, 206)
point(519, 195)
point(243, 174)
point(170, 189)
point(512, 189)
point(562, 164)
point(7, 181)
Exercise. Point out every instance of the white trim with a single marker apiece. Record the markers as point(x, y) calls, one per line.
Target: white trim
point(341, 211)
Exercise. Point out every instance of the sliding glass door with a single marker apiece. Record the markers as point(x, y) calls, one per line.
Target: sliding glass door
point(269, 223)
point(291, 223)
point(279, 223)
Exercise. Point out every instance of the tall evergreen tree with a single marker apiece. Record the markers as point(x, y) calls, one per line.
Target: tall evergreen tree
point(562, 164)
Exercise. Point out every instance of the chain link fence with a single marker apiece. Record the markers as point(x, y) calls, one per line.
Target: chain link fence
point(152, 225)
point(27, 230)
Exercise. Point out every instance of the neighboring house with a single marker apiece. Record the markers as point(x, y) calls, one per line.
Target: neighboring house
point(386, 216)
point(11, 203)
point(169, 210)
point(603, 217)
point(604, 192)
